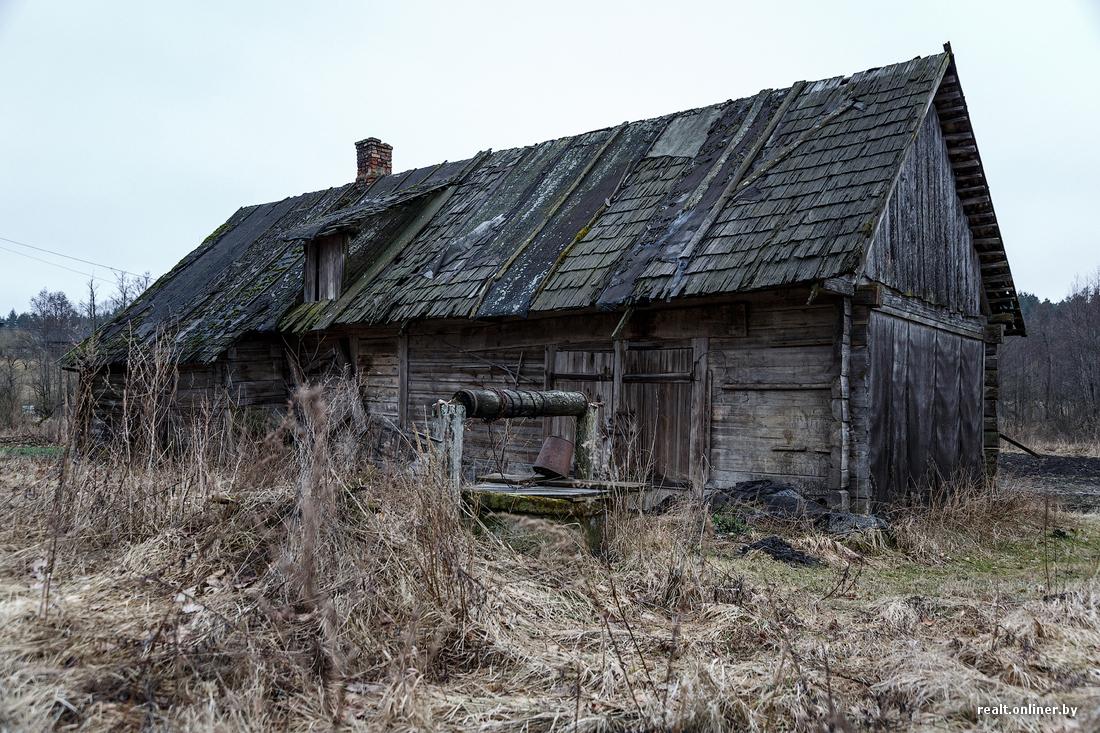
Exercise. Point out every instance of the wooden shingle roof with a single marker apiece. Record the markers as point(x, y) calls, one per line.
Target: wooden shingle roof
point(780, 188)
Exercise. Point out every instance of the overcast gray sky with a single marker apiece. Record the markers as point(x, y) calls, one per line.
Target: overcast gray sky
point(130, 131)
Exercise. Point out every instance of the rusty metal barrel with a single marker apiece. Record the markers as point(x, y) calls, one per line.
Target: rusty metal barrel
point(495, 404)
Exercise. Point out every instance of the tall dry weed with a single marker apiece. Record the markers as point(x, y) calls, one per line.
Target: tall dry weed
point(971, 514)
point(275, 583)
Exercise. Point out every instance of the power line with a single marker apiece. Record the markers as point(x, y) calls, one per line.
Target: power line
point(58, 254)
point(39, 259)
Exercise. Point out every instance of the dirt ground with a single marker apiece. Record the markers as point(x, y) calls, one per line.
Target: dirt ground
point(1074, 480)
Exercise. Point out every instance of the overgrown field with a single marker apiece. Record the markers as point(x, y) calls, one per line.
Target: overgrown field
point(278, 586)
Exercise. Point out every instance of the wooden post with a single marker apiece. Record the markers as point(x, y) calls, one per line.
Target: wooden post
point(448, 424)
point(586, 444)
point(700, 408)
point(991, 427)
point(402, 379)
point(549, 358)
point(839, 470)
point(617, 370)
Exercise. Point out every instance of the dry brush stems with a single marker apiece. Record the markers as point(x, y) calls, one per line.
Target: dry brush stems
point(364, 597)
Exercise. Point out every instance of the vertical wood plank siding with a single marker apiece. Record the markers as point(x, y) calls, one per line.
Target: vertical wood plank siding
point(923, 247)
point(926, 421)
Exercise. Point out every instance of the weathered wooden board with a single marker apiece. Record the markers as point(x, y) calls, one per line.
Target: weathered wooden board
point(925, 412)
point(658, 412)
point(771, 411)
point(923, 244)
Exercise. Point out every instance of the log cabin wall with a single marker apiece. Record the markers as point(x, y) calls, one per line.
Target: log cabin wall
point(250, 376)
point(440, 365)
point(254, 372)
point(772, 390)
point(716, 394)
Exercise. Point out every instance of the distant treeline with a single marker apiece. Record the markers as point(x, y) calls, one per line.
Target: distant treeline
point(31, 379)
point(1050, 381)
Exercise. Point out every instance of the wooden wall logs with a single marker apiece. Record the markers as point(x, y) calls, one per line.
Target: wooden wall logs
point(832, 392)
point(771, 406)
point(839, 459)
point(991, 446)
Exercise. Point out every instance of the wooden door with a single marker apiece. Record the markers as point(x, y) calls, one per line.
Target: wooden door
point(588, 369)
point(653, 426)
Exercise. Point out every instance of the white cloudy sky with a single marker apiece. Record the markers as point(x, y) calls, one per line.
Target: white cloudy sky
point(130, 130)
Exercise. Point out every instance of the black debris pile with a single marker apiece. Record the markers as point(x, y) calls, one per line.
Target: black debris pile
point(780, 550)
point(776, 499)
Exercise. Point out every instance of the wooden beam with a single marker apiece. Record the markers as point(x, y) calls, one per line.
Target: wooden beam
point(869, 296)
point(579, 377)
point(448, 425)
point(837, 286)
point(620, 329)
point(700, 406)
point(586, 449)
point(618, 367)
point(1021, 446)
point(779, 386)
point(665, 377)
point(403, 379)
point(976, 200)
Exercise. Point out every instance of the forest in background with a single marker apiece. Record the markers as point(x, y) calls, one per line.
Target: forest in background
point(33, 385)
point(1050, 380)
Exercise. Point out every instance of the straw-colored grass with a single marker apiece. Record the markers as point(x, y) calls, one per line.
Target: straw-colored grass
point(284, 588)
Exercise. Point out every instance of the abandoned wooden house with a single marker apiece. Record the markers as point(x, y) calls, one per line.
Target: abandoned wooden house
point(807, 285)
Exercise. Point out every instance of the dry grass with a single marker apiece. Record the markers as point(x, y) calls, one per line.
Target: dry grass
point(972, 516)
point(277, 587)
point(1049, 443)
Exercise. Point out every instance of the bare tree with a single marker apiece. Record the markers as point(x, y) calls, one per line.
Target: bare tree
point(127, 289)
point(13, 350)
point(54, 320)
point(1050, 381)
point(91, 307)
point(124, 292)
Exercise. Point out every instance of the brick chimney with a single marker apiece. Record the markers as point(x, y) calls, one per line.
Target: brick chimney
point(374, 159)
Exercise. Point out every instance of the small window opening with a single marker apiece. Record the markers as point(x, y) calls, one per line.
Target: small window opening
point(324, 273)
